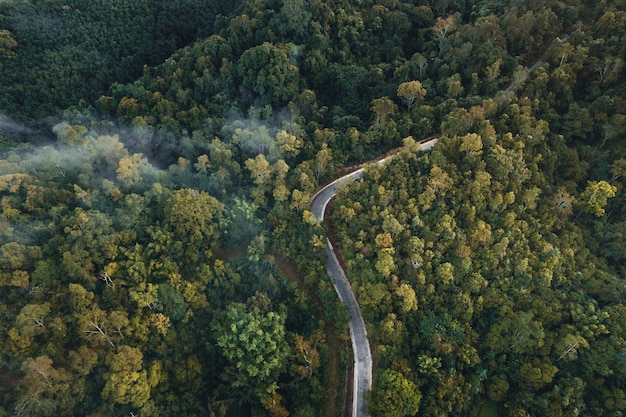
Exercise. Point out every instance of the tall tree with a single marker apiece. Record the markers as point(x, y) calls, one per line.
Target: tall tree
point(382, 108)
point(411, 92)
point(442, 28)
point(7, 44)
point(267, 71)
point(126, 379)
point(253, 341)
point(194, 217)
point(393, 395)
point(596, 195)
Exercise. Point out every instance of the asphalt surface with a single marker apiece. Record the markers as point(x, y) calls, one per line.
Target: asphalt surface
point(358, 334)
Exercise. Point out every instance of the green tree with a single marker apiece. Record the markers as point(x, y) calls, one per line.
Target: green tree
point(536, 375)
point(267, 71)
point(194, 217)
point(408, 298)
point(102, 327)
point(411, 92)
point(7, 44)
point(455, 88)
point(596, 195)
point(296, 17)
point(393, 395)
point(254, 343)
point(33, 319)
point(126, 380)
point(322, 164)
point(382, 108)
point(82, 360)
point(285, 146)
point(260, 170)
point(44, 388)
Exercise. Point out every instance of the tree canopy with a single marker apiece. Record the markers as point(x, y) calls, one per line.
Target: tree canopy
point(157, 161)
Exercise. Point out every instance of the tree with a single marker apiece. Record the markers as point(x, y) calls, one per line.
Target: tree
point(82, 360)
point(322, 164)
point(285, 145)
point(72, 135)
point(406, 293)
point(102, 327)
point(253, 341)
point(536, 375)
point(567, 348)
point(411, 92)
point(7, 44)
point(194, 217)
point(203, 165)
point(421, 62)
point(126, 379)
point(383, 107)
point(618, 169)
point(43, 387)
point(455, 88)
point(442, 28)
point(267, 71)
point(393, 395)
point(596, 195)
point(296, 16)
point(273, 405)
point(385, 264)
point(32, 319)
point(14, 255)
point(130, 169)
point(614, 128)
point(563, 202)
point(256, 248)
point(609, 69)
point(307, 354)
point(260, 170)
point(472, 144)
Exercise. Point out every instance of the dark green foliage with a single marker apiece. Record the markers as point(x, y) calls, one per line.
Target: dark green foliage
point(72, 51)
point(268, 73)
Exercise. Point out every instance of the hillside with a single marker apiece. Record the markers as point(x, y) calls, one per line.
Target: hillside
point(157, 252)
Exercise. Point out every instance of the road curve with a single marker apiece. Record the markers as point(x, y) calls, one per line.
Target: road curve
point(360, 345)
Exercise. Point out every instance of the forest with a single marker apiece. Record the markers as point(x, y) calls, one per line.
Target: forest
point(157, 162)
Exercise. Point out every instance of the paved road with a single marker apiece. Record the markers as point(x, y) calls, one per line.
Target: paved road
point(358, 334)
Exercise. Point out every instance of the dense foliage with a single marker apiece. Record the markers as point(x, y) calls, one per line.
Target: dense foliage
point(68, 51)
point(157, 255)
point(482, 275)
point(119, 294)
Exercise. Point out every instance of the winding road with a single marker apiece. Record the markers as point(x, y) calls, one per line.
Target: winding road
point(360, 345)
